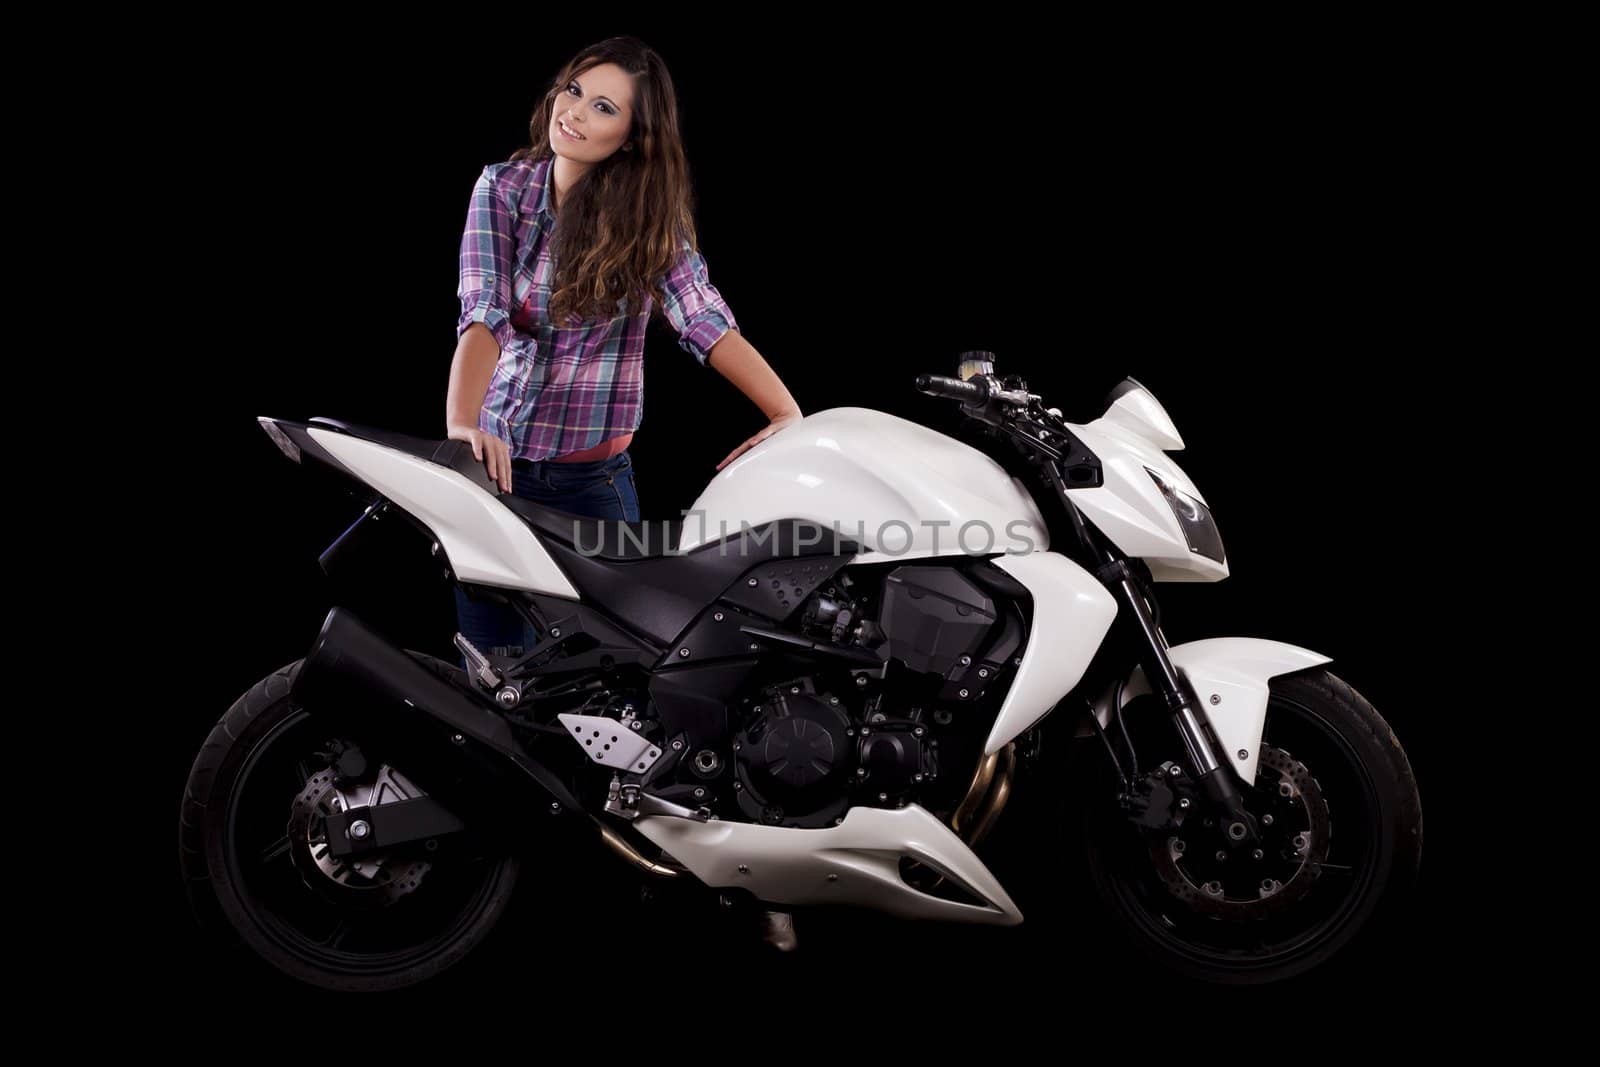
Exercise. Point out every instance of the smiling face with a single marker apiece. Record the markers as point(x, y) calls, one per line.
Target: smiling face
point(597, 107)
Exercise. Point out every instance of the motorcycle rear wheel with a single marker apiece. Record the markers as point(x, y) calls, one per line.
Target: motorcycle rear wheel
point(256, 874)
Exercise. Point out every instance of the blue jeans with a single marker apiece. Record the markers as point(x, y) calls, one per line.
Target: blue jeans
point(599, 489)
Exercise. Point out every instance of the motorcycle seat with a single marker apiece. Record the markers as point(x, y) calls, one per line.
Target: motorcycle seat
point(610, 539)
point(607, 539)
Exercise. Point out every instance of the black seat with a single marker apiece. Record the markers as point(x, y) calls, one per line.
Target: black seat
point(457, 455)
point(416, 446)
point(611, 539)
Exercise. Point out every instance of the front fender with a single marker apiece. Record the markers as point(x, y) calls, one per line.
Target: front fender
point(1229, 677)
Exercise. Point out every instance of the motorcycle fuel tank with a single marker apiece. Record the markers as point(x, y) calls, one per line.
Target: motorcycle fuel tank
point(898, 488)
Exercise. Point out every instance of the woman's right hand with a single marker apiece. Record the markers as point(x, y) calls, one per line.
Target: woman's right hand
point(491, 450)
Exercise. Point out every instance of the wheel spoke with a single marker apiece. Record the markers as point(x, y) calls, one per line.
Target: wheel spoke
point(280, 847)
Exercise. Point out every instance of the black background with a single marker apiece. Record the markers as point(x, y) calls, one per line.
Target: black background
point(1265, 237)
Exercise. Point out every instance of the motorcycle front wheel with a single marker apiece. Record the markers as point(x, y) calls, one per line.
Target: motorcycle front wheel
point(258, 871)
point(1340, 823)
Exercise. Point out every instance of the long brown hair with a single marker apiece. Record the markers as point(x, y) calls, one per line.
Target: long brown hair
point(621, 226)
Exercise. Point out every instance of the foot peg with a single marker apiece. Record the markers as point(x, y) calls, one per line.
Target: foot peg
point(478, 662)
point(629, 802)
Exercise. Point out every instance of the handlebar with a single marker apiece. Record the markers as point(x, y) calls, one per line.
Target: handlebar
point(955, 388)
point(1013, 412)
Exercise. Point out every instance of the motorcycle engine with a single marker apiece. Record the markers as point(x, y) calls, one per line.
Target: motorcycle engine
point(935, 622)
point(801, 756)
point(813, 747)
point(852, 729)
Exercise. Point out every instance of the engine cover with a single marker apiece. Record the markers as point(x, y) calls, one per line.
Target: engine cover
point(794, 761)
point(933, 616)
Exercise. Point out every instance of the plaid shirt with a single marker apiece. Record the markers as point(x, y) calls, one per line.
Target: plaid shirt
point(558, 390)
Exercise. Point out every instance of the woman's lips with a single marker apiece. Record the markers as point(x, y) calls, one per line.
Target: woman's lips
point(566, 132)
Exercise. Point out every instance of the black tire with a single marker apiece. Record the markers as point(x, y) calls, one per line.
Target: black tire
point(1349, 907)
point(233, 897)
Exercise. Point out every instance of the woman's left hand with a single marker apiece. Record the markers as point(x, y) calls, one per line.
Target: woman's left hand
point(767, 431)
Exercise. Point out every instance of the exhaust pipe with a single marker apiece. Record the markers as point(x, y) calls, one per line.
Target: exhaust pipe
point(459, 751)
point(986, 796)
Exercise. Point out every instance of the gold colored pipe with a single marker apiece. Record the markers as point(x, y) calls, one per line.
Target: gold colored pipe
point(986, 797)
point(631, 854)
point(975, 793)
point(997, 798)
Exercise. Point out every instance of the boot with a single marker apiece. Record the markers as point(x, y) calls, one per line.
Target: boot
point(777, 930)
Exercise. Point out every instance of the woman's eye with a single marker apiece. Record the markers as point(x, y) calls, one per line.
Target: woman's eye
point(603, 108)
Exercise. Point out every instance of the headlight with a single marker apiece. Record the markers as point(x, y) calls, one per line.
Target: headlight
point(1199, 529)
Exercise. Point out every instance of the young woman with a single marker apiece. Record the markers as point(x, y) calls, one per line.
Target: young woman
point(569, 246)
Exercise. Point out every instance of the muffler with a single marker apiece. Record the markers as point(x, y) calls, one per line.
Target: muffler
point(460, 752)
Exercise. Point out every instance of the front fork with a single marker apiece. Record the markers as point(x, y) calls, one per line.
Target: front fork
point(1211, 774)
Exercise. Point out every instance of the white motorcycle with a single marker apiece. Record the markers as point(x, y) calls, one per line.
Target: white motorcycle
point(816, 689)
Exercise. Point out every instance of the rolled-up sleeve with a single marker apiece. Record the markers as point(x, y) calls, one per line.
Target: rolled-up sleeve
point(487, 258)
point(693, 305)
